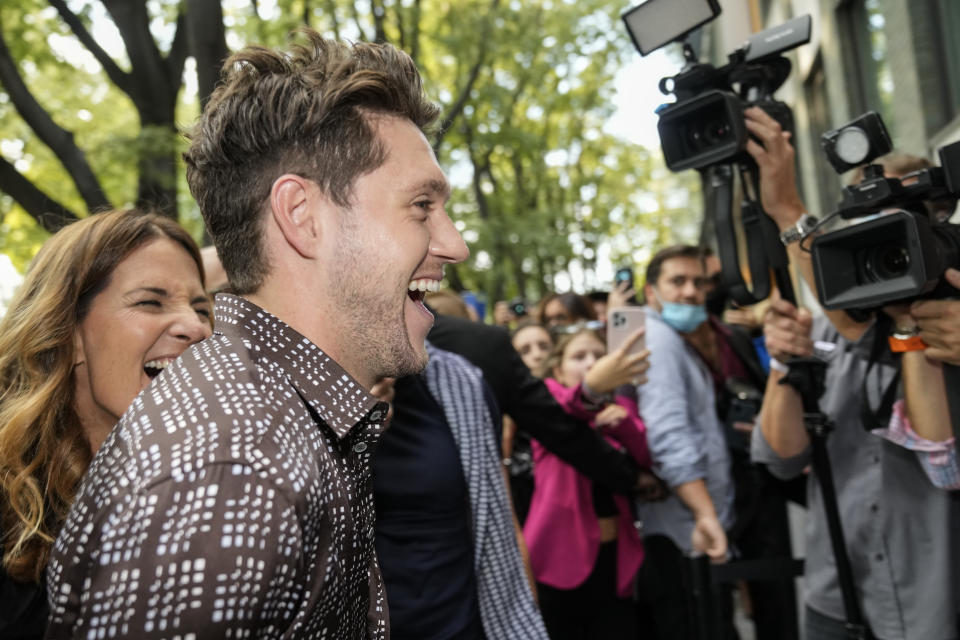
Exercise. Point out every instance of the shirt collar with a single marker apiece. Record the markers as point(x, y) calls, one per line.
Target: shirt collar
point(322, 383)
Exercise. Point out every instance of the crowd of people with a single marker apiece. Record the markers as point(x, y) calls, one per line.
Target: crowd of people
point(344, 452)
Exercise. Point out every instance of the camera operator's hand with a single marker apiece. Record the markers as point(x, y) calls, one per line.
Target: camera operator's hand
point(786, 331)
point(502, 315)
point(775, 158)
point(620, 296)
point(619, 367)
point(939, 324)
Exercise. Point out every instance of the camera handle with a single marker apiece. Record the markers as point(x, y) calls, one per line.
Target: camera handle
point(765, 252)
point(807, 376)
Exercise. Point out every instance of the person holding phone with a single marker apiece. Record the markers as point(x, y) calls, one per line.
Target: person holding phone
point(584, 548)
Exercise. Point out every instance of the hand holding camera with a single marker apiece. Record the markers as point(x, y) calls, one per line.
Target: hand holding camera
point(939, 324)
point(774, 156)
point(786, 331)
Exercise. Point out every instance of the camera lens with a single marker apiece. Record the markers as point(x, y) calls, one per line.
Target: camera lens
point(888, 261)
point(704, 135)
point(717, 131)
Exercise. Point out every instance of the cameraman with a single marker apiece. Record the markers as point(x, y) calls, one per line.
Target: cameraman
point(897, 526)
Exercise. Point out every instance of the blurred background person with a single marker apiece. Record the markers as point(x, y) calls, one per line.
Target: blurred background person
point(534, 343)
point(584, 547)
point(563, 309)
point(449, 304)
point(107, 303)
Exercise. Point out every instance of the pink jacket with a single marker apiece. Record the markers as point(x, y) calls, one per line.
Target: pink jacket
point(561, 528)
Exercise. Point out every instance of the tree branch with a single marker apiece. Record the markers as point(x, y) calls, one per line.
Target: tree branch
point(356, 19)
point(307, 13)
point(51, 215)
point(177, 56)
point(332, 12)
point(208, 43)
point(117, 75)
point(415, 36)
point(446, 121)
point(58, 139)
point(379, 15)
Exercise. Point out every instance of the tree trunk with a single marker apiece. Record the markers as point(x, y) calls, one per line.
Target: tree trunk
point(59, 140)
point(154, 84)
point(208, 43)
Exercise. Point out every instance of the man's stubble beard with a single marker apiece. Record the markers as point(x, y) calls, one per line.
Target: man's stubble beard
point(383, 348)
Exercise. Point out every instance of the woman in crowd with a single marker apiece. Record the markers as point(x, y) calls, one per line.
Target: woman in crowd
point(106, 305)
point(564, 309)
point(534, 343)
point(584, 547)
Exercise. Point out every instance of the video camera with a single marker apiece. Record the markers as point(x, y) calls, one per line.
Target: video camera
point(898, 253)
point(705, 125)
point(705, 129)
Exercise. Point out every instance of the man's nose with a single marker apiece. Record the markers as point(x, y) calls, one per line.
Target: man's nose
point(446, 242)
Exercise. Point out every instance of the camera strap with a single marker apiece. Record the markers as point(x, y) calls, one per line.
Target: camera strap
point(880, 417)
point(764, 251)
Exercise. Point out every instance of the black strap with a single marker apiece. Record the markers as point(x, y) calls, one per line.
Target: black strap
point(880, 418)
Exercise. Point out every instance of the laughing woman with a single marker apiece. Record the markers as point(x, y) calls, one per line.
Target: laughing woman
point(107, 303)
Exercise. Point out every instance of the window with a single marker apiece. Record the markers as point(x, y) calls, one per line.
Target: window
point(867, 52)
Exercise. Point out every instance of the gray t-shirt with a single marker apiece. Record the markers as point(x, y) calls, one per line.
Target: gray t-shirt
point(901, 532)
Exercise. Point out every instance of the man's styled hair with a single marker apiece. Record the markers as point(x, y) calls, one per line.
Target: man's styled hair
point(676, 251)
point(307, 112)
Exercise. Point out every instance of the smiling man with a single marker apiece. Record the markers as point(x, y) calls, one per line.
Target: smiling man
point(234, 498)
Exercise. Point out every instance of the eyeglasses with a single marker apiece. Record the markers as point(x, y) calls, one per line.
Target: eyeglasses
point(593, 325)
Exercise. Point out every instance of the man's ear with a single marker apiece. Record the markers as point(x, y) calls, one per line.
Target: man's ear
point(295, 204)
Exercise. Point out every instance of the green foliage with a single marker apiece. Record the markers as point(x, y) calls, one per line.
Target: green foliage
point(541, 191)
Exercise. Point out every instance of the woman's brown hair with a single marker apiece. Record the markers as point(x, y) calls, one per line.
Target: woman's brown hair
point(43, 450)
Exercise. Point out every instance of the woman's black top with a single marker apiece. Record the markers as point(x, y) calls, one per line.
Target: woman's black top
point(23, 608)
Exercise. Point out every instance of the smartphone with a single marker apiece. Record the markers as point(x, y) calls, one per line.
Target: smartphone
point(621, 323)
point(624, 274)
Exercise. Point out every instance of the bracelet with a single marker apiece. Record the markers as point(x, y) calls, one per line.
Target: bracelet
point(593, 397)
point(903, 340)
point(776, 365)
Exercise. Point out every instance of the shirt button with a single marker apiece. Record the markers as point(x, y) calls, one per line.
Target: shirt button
point(360, 447)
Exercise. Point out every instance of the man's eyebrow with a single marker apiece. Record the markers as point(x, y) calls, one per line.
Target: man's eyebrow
point(200, 300)
point(433, 185)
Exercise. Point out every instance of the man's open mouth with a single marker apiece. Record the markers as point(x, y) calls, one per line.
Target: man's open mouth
point(418, 288)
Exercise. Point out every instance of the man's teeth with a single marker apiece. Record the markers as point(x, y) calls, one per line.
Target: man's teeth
point(158, 364)
point(424, 285)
